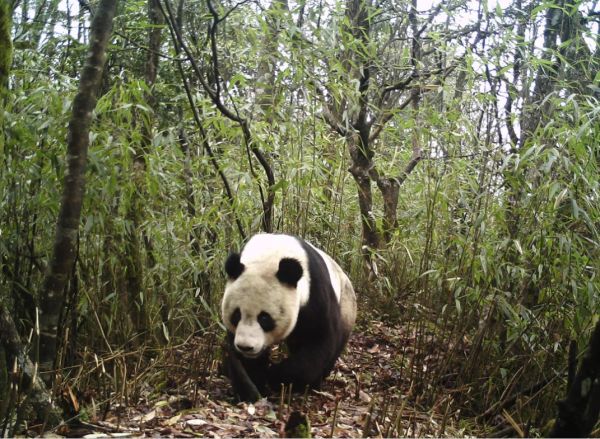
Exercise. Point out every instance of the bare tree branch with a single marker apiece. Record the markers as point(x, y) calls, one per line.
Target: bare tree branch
point(216, 98)
point(203, 135)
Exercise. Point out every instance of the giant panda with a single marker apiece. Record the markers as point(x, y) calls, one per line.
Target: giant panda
point(282, 288)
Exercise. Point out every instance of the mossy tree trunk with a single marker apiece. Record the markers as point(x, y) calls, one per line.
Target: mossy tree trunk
point(67, 228)
point(6, 48)
point(18, 376)
point(6, 53)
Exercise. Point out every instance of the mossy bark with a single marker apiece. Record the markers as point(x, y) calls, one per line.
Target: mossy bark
point(3, 382)
point(6, 47)
point(6, 54)
point(67, 228)
point(37, 404)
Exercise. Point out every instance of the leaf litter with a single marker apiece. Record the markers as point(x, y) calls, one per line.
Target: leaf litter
point(369, 393)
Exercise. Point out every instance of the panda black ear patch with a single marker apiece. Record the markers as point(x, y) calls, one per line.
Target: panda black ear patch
point(290, 271)
point(233, 267)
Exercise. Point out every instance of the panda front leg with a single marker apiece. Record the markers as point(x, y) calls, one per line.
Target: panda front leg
point(248, 376)
point(305, 366)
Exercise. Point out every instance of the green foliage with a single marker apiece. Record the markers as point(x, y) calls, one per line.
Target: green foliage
point(495, 255)
point(33, 158)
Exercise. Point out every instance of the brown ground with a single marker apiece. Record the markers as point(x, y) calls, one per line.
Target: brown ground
point(368, 394)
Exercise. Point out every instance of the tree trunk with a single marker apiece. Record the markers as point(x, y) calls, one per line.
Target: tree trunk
point(539, 107)
point(357, 138)
point(64, 249)
point(157, 21)
point(536, 110)
point(16, 369)
point(390, 191)
point(6, 53)
point(6, 49)
point(578, 413)
point(360, 169)
point(352, 118)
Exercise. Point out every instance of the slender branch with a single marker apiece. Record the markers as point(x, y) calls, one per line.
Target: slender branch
point(268, 203)
point(205, 143)
point(215, 96)
point(233, 8)
point(170, 18)
point(512, 85)
point(328, 114)
point(213, 47)
point(380, 124)
point(416, 157)
point(132, 43)
point(508, 402)
point(386, 114)
point(430, 18)
point(403, 85)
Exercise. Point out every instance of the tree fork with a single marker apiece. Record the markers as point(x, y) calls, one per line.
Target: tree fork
point(67, 228)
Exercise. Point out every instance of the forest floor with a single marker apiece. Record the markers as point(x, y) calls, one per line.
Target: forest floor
point(366, 395)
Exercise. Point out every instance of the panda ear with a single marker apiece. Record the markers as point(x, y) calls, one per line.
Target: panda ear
point(290, 271)
point(233, 267)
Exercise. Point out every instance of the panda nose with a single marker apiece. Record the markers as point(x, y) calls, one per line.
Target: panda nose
point(244, 348)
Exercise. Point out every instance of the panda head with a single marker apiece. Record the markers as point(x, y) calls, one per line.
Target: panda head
point(261, 301)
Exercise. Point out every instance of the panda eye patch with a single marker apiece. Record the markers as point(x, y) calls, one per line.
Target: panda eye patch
point(235, 317)
point(265, 321)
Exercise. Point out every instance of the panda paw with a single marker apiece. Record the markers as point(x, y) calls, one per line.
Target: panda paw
point(247, 393)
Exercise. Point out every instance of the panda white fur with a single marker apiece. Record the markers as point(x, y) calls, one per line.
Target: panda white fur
point(282, 288)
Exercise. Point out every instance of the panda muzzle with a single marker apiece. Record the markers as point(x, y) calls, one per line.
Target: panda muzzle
point(248, 351)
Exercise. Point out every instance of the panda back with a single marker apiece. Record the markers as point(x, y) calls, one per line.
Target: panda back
point(334, 270)
point(343, 290)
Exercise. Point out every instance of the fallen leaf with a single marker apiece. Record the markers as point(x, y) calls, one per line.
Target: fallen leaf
point(173, 420)
point(374, 349)
point(363, 396)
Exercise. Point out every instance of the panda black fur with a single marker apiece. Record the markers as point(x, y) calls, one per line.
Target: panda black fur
point(281, 288)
